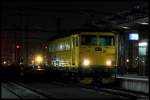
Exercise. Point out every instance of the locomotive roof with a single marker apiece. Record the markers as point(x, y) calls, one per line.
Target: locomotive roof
point(78, 31)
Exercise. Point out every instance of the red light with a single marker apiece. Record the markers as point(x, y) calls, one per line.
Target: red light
point(17, 46)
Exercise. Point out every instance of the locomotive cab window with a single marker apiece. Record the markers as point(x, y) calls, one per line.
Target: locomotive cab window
point(88, 40)
point(106, 40)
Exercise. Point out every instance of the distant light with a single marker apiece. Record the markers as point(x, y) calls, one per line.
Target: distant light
point(20, 63)
point(125, 27)
point(61, 47)
point(127, 60)
point(4, 62)
point(38, 67)
point(17, 46)
point(32, 61)
point(46, 47)
point(39, 59)
point(133, 36)
point(144, 23)
point(143, 44)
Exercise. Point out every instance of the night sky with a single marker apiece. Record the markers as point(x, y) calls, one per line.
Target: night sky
point(43, 16)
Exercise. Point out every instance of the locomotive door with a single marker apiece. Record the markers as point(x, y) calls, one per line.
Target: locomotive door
point(75, 51)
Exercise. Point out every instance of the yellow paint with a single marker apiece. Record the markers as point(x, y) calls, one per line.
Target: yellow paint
point(67, 51)
point(86, 80)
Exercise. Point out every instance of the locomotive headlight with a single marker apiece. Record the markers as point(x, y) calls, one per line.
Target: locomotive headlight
point(86, 62)
point(39, 59)
point(4, 62)
point(108, 62)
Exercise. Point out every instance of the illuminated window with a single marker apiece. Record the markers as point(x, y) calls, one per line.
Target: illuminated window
point(106, 40)
point(61, 47)
point(143, 48)
point(67, 46)
point(88, 40)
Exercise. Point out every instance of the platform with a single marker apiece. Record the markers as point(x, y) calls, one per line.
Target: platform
point(6, 94)
point(134, 82)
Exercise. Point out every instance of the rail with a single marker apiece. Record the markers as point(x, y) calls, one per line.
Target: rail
point(23, 92)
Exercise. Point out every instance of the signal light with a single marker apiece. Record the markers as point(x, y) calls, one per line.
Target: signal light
point(17, 46)
point(46, 47)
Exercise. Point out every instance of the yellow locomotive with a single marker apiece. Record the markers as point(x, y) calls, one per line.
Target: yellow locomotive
point(84, 50)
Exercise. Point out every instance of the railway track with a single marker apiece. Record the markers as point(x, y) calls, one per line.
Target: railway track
point(23, 92)
point(124, 93)
point(120, 92)
point(128, 92)
point(112, 91)
point(115, 91)
point(68, 85)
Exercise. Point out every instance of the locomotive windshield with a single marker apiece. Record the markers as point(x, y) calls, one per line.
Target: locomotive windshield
point(106, 40)
point(88, 40)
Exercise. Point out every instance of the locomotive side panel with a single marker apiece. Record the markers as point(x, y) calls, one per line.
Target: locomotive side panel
point(60, 52)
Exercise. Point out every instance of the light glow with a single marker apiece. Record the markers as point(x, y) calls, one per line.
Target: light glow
point(144, 23)
point(108, 63)
point(20, 63)
point(38, 67)
point(143, 44)
point(127, 60)
point(125, 27)
point(4, 62)
point(133, 36)
point(86, 62)
point(32, 61)
point(39, 59)
point(17, 46)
